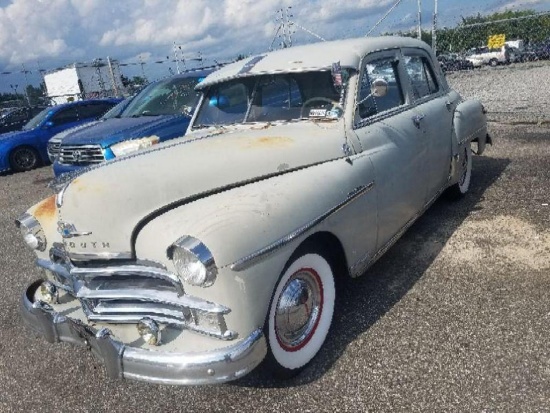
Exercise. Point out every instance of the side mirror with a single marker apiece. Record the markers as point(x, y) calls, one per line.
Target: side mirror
point(379, 88)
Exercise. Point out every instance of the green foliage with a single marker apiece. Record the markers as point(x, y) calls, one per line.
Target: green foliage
point(464, 36)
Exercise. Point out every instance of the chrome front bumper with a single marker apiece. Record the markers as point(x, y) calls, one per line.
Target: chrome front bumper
point(123, 361)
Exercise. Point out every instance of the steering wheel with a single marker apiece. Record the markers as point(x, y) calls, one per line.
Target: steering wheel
point(318, 98)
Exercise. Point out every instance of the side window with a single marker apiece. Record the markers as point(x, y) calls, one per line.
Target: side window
point(93, 110)
point(66, 115)
point(17, 116)
point(421, 75)
point(386, 69)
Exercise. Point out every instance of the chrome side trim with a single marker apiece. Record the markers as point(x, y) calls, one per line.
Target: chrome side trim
point(262, 253)
point(364, 263)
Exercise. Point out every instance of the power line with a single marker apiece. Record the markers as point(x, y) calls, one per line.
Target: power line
point(383, 17)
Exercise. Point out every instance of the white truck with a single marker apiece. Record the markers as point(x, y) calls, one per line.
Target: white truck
point(84, 81)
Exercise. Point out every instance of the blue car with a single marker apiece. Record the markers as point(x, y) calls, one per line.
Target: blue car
point(26, 149)
point(159, 112)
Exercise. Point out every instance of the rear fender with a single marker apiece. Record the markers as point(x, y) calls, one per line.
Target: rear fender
point(470, 125)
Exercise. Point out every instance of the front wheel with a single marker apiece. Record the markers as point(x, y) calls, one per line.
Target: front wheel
point(23, 158)
point(300, 314)
point(460, 189)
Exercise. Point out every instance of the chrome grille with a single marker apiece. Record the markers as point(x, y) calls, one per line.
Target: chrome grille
point(80, 154)
point(129, 292)
point(53, 149)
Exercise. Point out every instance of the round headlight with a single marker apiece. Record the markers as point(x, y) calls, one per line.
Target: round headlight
point(193, 261)
point(32, 232)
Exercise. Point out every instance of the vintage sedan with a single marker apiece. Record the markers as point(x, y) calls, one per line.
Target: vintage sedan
point(193, 261)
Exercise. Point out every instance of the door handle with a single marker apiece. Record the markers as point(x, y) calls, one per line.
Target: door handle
point(417, 119)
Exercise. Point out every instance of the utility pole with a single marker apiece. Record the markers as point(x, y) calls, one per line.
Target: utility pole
point(25, 71)
point(112, 73)
point(434, 29)
point(419, 19)
point(176, 58)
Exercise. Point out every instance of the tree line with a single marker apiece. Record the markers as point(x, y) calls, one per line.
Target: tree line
point(527, 26)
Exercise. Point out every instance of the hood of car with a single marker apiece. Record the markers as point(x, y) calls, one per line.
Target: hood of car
point(109, 202)
point(61, 135)
point(111, 131)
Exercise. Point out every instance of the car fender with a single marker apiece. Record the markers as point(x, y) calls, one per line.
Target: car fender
point(470, 124)
point(283, 211)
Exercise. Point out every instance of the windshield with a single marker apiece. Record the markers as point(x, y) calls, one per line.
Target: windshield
point(117, 109)
point(37, 120)
point(174, 96)
point(270, 98)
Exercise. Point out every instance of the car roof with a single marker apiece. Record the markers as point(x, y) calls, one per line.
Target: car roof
point(315, 56)
point(86, 101)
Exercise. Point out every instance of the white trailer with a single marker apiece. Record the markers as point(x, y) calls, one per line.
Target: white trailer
point(81, 81)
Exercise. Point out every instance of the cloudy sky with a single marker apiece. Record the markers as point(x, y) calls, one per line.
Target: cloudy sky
point(46, 34)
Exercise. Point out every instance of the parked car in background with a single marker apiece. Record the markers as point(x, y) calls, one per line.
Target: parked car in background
point(26, 149)
point(191, 262)
point(452, 62)
point(55, 142)
point(15, 118)
point(484, 56)
point(161, 111)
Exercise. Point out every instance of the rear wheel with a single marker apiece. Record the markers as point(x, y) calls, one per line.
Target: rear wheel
point(23, 158)
point(493, 62)
point(460, 189)
point(300, 314)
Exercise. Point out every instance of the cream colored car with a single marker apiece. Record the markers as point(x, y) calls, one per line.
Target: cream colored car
point(193, 261)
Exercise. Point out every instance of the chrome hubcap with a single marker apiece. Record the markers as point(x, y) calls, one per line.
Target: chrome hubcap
point(299, 309)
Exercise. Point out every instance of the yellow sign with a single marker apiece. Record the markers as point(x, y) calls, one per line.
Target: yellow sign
point(496, 41)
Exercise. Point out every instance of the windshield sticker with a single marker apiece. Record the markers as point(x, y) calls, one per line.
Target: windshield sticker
point(317, 113)
point(337, 75)
point(250, 64)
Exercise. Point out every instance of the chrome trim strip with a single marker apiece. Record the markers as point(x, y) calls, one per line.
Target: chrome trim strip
point(59, 196)
point(69, 272)
point(131, 270)
point(260, 254)
point(89, 256)
point(364, 263)
point(161, 297)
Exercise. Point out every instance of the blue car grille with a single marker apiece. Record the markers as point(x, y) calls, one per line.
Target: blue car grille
point(53, 150)
point(80, 154)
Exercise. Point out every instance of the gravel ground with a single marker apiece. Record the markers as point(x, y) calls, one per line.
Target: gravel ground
point(455, 317)
point(513, 94)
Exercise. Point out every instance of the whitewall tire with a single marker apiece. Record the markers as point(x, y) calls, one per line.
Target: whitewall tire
point(464, 165)
point(301, 312)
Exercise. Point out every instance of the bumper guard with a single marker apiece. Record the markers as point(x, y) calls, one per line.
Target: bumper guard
point(123, 361)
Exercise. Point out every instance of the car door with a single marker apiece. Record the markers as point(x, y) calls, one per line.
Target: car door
point(385, 128)
point(434, 117)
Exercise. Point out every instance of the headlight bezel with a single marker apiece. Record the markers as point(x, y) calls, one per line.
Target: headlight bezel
point(32, 230)
point(196, 253)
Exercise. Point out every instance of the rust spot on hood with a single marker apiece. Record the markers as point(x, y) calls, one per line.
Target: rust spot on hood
point(269, 142)
point(46, 209)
